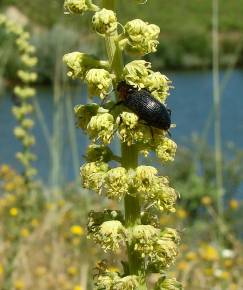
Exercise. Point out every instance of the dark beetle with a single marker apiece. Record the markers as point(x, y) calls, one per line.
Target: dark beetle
point(147, 107)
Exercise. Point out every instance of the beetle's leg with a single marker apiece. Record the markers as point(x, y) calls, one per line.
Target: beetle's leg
point(169, 111)
point(116, 104)
point(152, 132)
point(150, 127)
point(103, 101)
point(116, 129)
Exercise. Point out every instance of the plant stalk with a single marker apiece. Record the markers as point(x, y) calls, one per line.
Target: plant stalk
point(216, 98)
point(129, 154)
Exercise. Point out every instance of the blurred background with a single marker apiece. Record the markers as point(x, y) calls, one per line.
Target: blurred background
point(201, 51)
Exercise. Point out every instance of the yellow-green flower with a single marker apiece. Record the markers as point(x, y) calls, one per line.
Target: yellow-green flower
point(75, 6)
point(99, 82)
point(116, 183)
point(142, 38)
point(93, 175)
point(101, 127)
point(105, 22)
point(166, 149)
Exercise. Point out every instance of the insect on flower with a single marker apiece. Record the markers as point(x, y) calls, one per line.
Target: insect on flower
point(147, 107)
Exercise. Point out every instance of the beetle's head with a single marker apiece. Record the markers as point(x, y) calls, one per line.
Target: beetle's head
point(124, 89)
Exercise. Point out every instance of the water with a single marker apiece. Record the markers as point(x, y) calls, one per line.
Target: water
point(191, 104)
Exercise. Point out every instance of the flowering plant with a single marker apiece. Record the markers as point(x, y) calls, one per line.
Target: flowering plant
point(145, 193)
point(23, 93)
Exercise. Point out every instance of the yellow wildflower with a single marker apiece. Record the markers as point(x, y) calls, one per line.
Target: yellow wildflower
point(1, 270)
point(234, 204)
point(24, 232)
point(228, 263)
point(206, 200)
point(19, 284)
point(77, 230)
point(182, 265)
point(77, 287)
point(191, 256)
point(209, 253)
point(13, 211)
point(34, 223)
point(233, 286)
point(72, 270)
point(9, 186)
point(181, 213)
point(113, 269)
point(4, 169)
point(40, 271)
point(208, 271)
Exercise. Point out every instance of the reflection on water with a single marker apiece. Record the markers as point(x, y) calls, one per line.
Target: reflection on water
point(190, 102)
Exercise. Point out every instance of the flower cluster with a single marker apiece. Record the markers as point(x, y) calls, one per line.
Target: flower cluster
point(23, 93)
point(79, 6)
point(140, 37)
point(117, 182)
point(155, 248)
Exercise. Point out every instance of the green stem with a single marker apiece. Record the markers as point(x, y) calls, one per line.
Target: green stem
point(217, 124)
point(129, 156)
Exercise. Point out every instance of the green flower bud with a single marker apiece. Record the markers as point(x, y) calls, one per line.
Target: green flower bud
point(93, 174)
point(26, 76)
point(101, 127)
point(99, 82)
point(75, 6)
point(24, 45)
point(134, 72)
point(95, 219)
point(20, 112)
point(98, 153)
point(84, 113)
point(170, 234)
point(130, 282)
point(24, 92)
point(164, 253)
point(110, 235)
point(27, 123)
point(12, 27)
point(142, 37)
point(25, 158)
point(143, 238)
point(158, 85)
point(30, 172)
point(166, 283)
point(166, 149)
point(106, 281)
point(19, 132)
point(145, 178)
point(116, 183)
point(28, 140)
point(79, 63)
point(105, 22)
point(28, 60)
point(130, 131)
point(79, 6)
point(163, 198)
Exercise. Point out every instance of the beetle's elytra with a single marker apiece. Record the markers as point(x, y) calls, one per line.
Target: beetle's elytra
point(147, 107)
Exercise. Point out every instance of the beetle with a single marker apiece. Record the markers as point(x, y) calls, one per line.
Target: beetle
point(147, 107)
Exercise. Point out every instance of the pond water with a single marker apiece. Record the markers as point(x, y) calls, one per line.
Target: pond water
point(191, 104)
